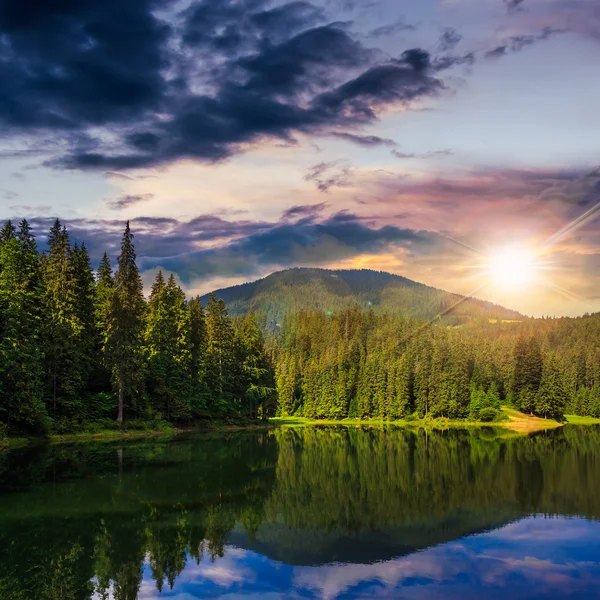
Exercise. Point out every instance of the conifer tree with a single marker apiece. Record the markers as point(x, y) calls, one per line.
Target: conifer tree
point(220, 352)
point(256, 371)
point(123, 346)
point(21, 356)
point(198, 345)
point(104, 289)
point(527, 373)
point(551, 398)
point(179, 374)
point(63, 328)
point(286, 384)
point(84, 309)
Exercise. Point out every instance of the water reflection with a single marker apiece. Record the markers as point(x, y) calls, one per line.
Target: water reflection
point(305, 513)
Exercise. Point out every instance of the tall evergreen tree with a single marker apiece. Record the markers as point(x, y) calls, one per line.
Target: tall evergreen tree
point(21, 367)
point(123, 346)
point(257, 373)
point(85, 312)
point(220, 351)
point(527, 373)
point(168, 349)
point(198, 344)
point(63, 328)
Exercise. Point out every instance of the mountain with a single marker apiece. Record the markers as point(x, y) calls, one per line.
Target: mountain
point(328, 290)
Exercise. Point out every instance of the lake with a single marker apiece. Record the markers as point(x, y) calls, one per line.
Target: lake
point(306, 512)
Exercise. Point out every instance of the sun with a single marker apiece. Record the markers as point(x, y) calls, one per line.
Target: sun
point(512, 268)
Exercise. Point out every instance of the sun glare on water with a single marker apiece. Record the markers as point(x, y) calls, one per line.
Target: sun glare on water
point(512, 269)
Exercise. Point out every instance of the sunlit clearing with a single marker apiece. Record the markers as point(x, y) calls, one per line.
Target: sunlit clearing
point(512, 269)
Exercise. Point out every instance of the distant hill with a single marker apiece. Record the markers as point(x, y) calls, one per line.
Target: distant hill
point(328, 290)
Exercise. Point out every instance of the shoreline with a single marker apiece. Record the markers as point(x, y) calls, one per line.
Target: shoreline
point(514, 422)
point(115, 434)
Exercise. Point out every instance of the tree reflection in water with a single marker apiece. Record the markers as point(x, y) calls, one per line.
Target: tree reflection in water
point(106, 520)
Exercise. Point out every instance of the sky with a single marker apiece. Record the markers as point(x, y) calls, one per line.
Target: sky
point(430, 139)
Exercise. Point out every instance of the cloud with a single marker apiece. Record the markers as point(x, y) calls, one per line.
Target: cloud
point(449, 39)
point(329, 174)
point(425, 155)
point(517, 43)
point(121, 88)
point(209, 247)
point(128, 200)
point(513, 5)
point(391, 29)
point(285, 244)
point(577, 16)
point(441, 63)
point(309, 211)
point(364, 140)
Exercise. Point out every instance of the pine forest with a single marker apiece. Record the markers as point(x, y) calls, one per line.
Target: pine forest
point(83, 349)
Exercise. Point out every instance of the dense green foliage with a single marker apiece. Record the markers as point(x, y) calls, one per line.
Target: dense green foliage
point(363, 364)
point(320, 289)
point(80, 349)
point(83, 350)
point(84, 519)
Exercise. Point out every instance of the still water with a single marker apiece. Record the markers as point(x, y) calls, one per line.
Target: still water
point(328, 513)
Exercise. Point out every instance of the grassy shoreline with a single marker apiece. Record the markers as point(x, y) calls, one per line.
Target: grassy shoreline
point(213, 426)
point(514, 421)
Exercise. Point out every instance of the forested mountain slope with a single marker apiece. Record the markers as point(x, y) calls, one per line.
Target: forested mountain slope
point(321, 289)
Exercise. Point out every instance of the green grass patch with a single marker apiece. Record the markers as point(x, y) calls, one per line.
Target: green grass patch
point(577, 420)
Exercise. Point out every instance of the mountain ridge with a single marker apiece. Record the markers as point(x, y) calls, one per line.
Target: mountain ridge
point(306, 288)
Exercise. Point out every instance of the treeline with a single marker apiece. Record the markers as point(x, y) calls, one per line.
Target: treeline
point(366, 365)
point(79, 347)
point(85, 349)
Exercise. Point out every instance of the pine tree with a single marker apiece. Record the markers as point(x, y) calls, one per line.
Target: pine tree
point(179, 375)
point(156, 345)
point(198, 343)
point(287, 383)
point(257, 373)
point(220, 353)
point(21, 367)
point(123, 346)
point(527, 373)
point(551, 398)
point(104, 289)
point(63, 328)
point(84, 309)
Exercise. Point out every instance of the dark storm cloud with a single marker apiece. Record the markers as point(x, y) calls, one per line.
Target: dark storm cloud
point(364, 140)
point(65, 64)
point(302, 61)
point(137, 84)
